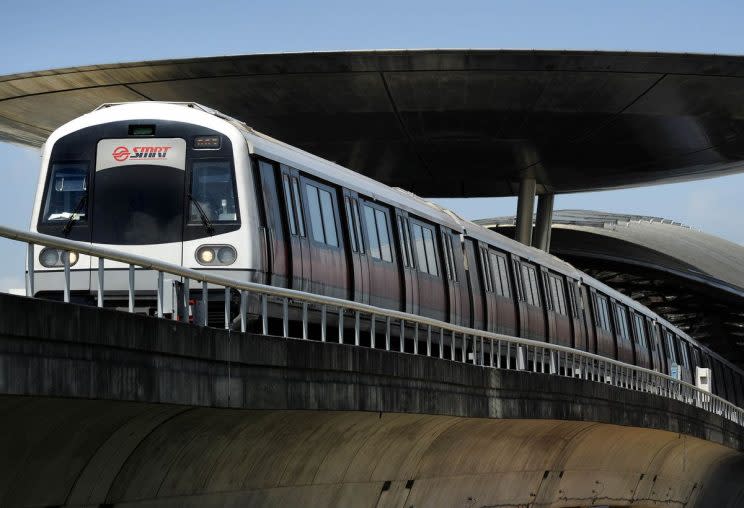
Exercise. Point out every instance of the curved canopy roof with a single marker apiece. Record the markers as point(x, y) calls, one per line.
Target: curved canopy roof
point(441, 122)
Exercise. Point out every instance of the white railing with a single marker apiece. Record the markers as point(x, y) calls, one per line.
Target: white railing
point(379, 328)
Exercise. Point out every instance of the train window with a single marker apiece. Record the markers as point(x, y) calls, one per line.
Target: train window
point(423, 240)
point(603, 312)
point(213, 190)
point(320, 206)
point(67, 193)
point(500, 277)
point(685, 354)
point(377, 233)
point(557, 294)
point(405, 242)
point(671, 352)
point(654, 336)
point(450, 254)
point(486, 269)
point(298, 206)
point(529, 282)
point(290, 206)
point(621, 317)
point(353, 221)
point(640, 331)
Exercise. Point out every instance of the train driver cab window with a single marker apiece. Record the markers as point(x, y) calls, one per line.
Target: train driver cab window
point(212, 192)
point(67, 193)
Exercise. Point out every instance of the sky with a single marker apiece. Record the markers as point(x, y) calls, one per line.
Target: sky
point(40, 35)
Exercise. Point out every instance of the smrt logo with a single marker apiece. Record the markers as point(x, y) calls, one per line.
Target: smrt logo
point(122, 153)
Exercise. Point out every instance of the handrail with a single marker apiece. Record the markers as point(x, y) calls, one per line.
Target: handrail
point(600, 368)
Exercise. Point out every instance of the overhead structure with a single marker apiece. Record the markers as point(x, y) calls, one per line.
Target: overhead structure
point(441, 123)
point(692, 279)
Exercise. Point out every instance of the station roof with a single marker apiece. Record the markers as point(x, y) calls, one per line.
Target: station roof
point(691, 278)
point(443, 123)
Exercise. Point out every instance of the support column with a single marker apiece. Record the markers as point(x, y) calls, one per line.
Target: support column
point(541, 237)
point(525, 206)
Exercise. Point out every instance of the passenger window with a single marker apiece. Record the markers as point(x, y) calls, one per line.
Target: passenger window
point(423, 239)
point(298, 207)
point(449, 256)
point(290, 206)
point(640, 331)
point(405, 253)
point(322, 221)
point(67, 194)
point(621, 316)
point(352, 217)
point(500, 277)
point(603, 312)
point(557, 294)
point(377, 234)
point(672, 353)
point(486, 270)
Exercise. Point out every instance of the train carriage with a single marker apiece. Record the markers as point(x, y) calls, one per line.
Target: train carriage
point(185, 184)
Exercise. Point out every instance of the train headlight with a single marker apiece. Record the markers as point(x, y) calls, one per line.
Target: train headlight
point(215, 255)
point(226, 255)
point(54, 258)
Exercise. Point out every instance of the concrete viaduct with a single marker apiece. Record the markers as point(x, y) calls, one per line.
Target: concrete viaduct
point(103, 408)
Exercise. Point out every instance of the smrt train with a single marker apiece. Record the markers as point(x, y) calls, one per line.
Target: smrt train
point(185, 184)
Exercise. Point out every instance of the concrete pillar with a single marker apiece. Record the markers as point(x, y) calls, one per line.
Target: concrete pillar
point(541, 237)
point(525, 206)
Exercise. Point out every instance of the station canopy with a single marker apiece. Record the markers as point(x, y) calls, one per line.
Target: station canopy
point(441, 123)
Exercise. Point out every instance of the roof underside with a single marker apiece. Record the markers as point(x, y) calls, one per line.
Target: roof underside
point(441, 122)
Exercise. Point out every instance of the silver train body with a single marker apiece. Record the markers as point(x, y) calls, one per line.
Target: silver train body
point(187, 185)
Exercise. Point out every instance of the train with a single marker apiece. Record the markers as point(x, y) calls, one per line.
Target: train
point(185, 184)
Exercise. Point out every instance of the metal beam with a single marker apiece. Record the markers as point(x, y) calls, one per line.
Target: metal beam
point(525, 207)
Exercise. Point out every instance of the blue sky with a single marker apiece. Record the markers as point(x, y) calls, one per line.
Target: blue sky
point(41, 35)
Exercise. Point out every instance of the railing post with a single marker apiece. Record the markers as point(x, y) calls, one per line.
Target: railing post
point(265, 314)
point(452, 347)
point(131, 288)
point(243, 317)
point(304, 320)
point(356, 328)
point(100, 282)
point(372, 337)
point(227, 308)
point(464, 349)
point(441, 343)
point(498, 355)
point(323, 323)
point(66, 261)
point(30, 270)
point(186, 299)
point(285, 317)
point(205, 303)
point(387, 333)
point(340, 325)
point(402, 337)
point(428, 340)
point(415, 338)
point(160, 294)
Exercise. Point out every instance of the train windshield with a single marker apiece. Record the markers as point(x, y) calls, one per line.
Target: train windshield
point(67, 192)
point(212, 192)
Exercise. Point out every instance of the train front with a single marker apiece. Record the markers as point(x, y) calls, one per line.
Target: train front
point(165, 181)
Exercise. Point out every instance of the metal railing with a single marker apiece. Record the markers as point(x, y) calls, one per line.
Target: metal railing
point(379, 328)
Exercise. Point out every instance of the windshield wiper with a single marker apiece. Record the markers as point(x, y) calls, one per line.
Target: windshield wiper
point(205, 220)
point(71, 219)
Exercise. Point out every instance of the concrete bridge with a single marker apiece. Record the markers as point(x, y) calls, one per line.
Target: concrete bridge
point(104, 408)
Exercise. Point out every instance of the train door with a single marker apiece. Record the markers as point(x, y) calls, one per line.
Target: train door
point(384, 275)
point(298, 244)
point(671, 352)
point(432, 297)
point(477, 304)
point(356, 253)
point(657, 356)
point(463, 282)
point(451, 280)
point(605, 341)
point(549, 310)
point(535, 322)
point(328, 263)
point(560, 309)
point(576, 308)
point(278, 215)
point(622, 333)
point(409, 277)
point(640, 340)
point(589, 318)
point(506, 311)
point(489, 298)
